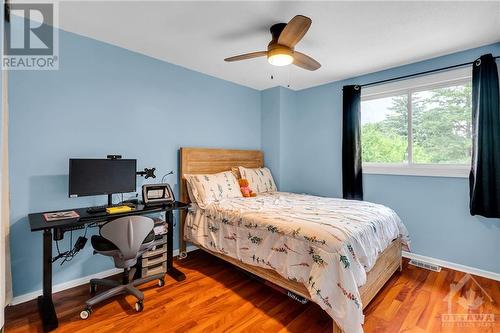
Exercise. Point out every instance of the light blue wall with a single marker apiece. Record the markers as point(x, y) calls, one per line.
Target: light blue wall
point(434, 209)
point(291, 137)
point(288, 108)
point(313, 143)
point(278, 104)
point(103, 100)
point(271, 131)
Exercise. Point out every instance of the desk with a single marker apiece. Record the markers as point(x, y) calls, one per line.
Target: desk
point(56, 229)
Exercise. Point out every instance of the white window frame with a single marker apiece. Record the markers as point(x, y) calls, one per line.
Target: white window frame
point(409, 87)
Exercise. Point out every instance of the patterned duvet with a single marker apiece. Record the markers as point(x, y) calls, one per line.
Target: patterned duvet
point(325, 243)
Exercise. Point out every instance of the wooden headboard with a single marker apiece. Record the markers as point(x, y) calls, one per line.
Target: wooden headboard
point(210, 160)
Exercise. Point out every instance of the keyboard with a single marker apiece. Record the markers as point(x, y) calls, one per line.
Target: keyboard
point(102, 209)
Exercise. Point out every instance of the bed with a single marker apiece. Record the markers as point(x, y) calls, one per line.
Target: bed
point(295, 241)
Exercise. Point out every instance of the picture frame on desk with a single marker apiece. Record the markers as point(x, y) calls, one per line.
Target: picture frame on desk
point(56, 216)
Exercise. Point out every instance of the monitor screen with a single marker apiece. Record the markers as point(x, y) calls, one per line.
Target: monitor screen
point(101, 176)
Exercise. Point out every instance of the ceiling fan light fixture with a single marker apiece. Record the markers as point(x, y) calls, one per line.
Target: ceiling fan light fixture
point(281, 48)
point(280, 57)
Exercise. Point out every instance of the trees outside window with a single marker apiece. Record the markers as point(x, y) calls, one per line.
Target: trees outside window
point(428, 125)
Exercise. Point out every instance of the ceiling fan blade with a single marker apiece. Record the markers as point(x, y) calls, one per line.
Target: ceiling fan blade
point(247, 56)
point(305, 61)
point(294, 30)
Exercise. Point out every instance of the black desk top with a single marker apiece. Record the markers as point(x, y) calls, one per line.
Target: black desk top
point(38, 222)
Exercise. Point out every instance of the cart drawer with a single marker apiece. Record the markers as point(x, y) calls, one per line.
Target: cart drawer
point(155, 269)
point(157, 251)
point(154, 260)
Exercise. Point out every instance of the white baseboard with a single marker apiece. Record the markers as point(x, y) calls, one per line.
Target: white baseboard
point(77, 282)
point(65, 285)
point(457, 267)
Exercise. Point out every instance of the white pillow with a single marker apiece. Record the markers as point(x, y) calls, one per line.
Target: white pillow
point(259, 179)
point(208, 188)
point(189, 187)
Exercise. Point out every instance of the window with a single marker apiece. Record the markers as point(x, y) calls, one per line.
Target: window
point(384, 129)
point(420, 126)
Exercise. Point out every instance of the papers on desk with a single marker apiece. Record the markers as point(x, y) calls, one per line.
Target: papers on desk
point(70, 214)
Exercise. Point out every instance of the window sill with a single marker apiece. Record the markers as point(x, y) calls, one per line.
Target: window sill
point(423, 170)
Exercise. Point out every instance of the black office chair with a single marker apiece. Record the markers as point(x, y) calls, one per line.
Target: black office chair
point(124, 239)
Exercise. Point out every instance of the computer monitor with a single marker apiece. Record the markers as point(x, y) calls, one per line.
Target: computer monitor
point(101, 176)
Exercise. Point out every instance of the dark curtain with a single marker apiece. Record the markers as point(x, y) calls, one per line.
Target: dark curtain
point(352, 177)
point(484, 177)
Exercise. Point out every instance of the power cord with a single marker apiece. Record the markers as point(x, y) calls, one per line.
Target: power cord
point(70, 254)
point(165, 176)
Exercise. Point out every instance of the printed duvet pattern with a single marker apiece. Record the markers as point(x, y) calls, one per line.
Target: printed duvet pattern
point(325, 243)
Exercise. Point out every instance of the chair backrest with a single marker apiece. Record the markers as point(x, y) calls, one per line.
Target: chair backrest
point(128, 233)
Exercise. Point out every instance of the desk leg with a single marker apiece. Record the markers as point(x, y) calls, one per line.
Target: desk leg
point(45, 304)
point(171, 270)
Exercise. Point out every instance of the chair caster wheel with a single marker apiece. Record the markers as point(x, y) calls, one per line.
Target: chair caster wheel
point(85, 314)
point(161, 282)
point(93, 289)
point(139, 306)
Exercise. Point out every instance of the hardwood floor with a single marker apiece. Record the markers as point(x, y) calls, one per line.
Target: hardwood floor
point(216, 297)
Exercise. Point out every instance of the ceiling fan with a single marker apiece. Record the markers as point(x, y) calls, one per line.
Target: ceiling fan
point(281, 49)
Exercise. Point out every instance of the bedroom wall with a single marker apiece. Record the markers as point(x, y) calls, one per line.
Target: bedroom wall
point(435, 209)
point(103, 100)
point(277, 106)
point(271, 130)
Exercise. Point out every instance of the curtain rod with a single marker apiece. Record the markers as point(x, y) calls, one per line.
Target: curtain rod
point(421, 73)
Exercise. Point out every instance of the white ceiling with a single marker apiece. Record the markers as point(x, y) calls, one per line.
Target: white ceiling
point(347, 38)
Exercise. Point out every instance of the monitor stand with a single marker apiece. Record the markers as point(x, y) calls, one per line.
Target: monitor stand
point(101, 209)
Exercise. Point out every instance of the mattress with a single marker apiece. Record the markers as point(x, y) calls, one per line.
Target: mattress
point(327, 244)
